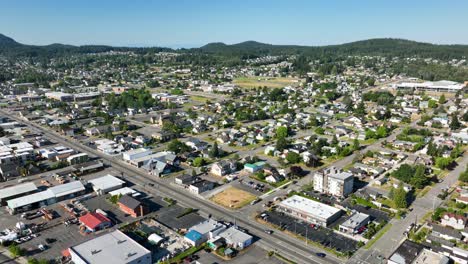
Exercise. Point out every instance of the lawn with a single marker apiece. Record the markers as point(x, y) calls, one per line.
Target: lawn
point(270, 82)
point(233, 198)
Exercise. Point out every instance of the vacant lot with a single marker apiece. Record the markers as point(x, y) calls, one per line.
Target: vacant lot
point(233, 198)
point(270, 82)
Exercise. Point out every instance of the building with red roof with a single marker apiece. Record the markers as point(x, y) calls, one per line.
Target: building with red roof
point(95, 221)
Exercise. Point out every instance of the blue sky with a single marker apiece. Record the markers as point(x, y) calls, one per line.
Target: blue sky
point(183, 23)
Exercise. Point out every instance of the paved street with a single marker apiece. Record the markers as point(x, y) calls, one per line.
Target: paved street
point(420, 207)
point(288, 246)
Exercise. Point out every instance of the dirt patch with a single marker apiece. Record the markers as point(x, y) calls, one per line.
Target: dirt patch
point(233, 198)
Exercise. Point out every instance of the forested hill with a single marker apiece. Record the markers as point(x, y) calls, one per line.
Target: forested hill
point(385, 47)
point(249, 49)
point(10, 48)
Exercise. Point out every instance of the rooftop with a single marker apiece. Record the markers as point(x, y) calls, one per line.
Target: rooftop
point(234, 235)
point(106, 182)
point(17, 190)
point(355, 220)
point(93, 220)
point(115, 247)
point(407, 252)
point(310, 207)
point(207, 226)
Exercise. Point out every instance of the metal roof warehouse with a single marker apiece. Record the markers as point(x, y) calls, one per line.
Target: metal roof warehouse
point(47, 197)
point(16, 191)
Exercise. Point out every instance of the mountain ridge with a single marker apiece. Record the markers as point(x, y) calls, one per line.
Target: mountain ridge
point(251, 48)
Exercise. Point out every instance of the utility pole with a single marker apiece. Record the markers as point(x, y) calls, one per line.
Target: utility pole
point(307, 229)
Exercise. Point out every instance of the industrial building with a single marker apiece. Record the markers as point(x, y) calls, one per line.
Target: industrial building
point(438, 86)
point(136, 154)
point(310, 210)
point(47, 197)
point(114, 247)
point(105, 184)
point(16, 191)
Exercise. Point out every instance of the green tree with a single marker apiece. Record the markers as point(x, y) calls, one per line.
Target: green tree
point(15, 251)
point(360, 110)
point(400, 198)
point(334, 141)
point(455, 124)
point(419, 179)
point(442, 163)
point(432, 103)
point(319, 130)
point(356, 145)
point(177, 147)
point(464, 176)
point(281, 144)
point(442, 99)
point(281, 132)
point(292, 157)
point(214, 151)
point(198, 162)
point(382, 132)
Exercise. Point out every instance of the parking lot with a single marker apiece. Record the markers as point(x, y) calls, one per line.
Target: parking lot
point(375, 214)
point(255, 187)
point(324, 236)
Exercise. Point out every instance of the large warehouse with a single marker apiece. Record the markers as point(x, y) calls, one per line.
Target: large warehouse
point(47, 197)
point(310, 210)
point(438, 86)
point(16, 191)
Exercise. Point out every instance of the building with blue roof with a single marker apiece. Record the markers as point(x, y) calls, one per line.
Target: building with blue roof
point(194, 238)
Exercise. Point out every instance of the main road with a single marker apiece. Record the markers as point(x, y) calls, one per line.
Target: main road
point(289, 247)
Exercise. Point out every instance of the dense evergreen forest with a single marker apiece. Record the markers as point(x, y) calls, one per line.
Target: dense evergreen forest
point(220, 54)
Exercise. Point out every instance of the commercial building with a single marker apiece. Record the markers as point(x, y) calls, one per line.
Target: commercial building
point(115, 248)
point(77, 158)
point(438, 86)
point(204, 231)
point(59, 96)
point(47, 197)
point(16, 191)
point(131, 206)
point(355, 222)
point(95, 221)
point(236, 238)
point(136, 153)
point(334, 181)
point(310, 210)
point(411, 252)
point(105, 184)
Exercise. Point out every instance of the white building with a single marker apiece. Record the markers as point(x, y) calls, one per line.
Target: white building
point(310, 210)
point(334, 181)
point(115, 248)
point(354, 223)
point(439, 86)
point(105, 184)
point(136, 154)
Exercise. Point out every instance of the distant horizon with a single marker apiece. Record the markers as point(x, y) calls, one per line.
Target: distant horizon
point(196, 23)
point(188, 46)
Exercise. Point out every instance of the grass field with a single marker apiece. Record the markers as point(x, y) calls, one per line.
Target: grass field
point(270, 82)
point(233, 198)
